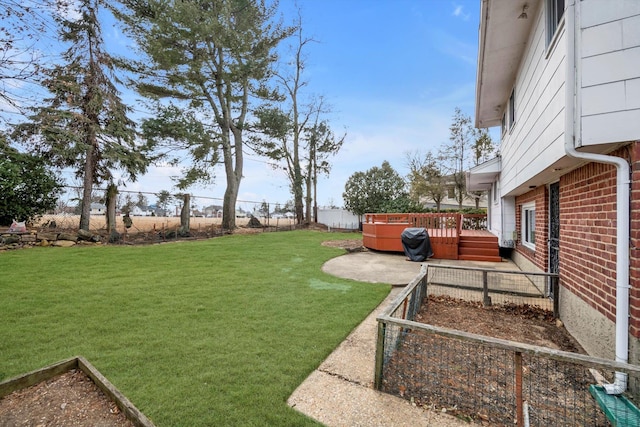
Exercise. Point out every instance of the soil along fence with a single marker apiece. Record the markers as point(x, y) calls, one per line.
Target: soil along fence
point(494, 380)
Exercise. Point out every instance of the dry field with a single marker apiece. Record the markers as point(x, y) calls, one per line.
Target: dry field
point(149, 223)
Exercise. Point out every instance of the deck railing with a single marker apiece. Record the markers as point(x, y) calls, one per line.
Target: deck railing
point(439, 224)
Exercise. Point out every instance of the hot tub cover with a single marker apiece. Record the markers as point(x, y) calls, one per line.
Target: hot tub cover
point(416, 244)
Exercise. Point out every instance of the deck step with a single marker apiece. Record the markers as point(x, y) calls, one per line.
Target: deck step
point(478, 244)
point(478, 252)
point(479, 248)
point(479, 239)
point(487, 258)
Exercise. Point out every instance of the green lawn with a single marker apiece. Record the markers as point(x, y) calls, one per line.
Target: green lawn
point(215, 332)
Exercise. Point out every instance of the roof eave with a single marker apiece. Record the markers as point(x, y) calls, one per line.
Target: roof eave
point(503, 36)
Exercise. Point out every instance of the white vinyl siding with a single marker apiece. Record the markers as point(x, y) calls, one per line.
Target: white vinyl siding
point(609, 72)
point(536, 140)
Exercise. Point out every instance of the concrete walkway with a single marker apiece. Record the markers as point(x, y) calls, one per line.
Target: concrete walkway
point(340, 392)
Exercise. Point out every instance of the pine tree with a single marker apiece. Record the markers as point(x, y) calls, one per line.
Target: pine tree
point(84, 124)
point(206, 63)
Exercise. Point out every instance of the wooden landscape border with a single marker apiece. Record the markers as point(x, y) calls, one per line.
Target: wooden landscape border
point(34, 377)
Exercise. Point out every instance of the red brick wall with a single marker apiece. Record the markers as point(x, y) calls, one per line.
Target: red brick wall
point(588, 235)
point(634, 253)
point(540, 257)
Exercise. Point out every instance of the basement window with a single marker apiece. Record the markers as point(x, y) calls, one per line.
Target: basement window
point(528, 220)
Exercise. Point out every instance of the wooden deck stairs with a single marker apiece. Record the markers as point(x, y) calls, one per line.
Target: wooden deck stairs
point(478, 246)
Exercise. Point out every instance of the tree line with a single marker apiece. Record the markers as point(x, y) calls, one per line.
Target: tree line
point(211, 78)
point(432, 174)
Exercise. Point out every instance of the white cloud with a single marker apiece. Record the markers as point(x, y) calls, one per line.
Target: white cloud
point(458, 12)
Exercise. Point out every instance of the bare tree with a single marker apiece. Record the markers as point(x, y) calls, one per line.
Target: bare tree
point(483, 149)
point(24, 24)
point(284, 123)
point(427, 179)
point(296, 132)
point(321, 144)
point(458, 153)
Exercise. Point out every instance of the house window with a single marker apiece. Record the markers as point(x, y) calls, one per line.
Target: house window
point(555, 11)
point(512, 108)
point(528, 222)
point(451, 192)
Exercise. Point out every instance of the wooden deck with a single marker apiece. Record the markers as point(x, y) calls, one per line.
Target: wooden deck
point(447, 233)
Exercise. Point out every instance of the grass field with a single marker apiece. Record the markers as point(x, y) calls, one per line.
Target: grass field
point(214, 332)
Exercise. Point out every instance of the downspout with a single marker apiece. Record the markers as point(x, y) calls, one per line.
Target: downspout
point(622, 202)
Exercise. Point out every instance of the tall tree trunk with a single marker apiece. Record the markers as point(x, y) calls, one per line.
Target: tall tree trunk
point(233, 175)
point(315, 198)
point(110, 198)
point(308, 203)
point(308, 199)
point(308, 182)
point(297, 184)
point(87, 189)
point(315, 185)
point(185, 215)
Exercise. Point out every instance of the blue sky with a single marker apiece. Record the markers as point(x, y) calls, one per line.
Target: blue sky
point(393, 71)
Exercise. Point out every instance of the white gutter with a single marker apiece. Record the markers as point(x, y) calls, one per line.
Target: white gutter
point(482, 37)
point(622, 202)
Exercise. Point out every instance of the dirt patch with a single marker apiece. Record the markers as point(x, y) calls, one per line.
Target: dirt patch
point(350, 245)
point(520, 323)
point(70, 399)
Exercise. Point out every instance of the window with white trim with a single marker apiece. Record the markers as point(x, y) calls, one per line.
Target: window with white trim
point(555, 12)
point(528, 225)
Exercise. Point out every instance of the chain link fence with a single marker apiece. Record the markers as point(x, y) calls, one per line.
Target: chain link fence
point(494, 381)
point(151, 217)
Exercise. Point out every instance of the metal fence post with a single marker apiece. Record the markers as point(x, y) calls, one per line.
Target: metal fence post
point(556, 296)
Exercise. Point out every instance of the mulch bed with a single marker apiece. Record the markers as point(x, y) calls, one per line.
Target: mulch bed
point(70, 399)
